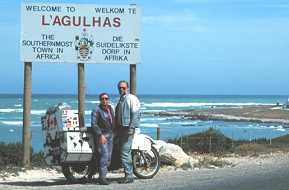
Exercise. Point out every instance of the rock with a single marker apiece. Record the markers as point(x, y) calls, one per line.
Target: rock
point(174, 155)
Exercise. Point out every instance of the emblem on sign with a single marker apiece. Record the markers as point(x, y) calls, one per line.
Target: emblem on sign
point(84, 46)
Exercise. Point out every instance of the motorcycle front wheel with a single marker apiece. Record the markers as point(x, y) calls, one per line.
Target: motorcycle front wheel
point(146, 164)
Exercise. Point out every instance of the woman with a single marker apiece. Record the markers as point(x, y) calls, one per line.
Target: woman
point(102, 123)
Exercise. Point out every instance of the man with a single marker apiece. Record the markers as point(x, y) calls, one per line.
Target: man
point(102, 123)
point(127, 119)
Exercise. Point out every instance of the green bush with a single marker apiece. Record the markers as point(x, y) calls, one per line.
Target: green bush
point(252, 149)
point(38, 159)
point(210, 141)
point(11, 154)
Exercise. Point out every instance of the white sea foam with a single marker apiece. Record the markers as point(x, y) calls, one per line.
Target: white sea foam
point(182, 123)
point(38, 112)
point(185, 123)
point(273, 127)
point(9, 110)
point(198, 104)
point(93, 102)
point(12, 123)
point(280, 128)
point(154, 119)
point(86, 112)
point(18, 105)
point(150, 125)
point(35, 112)
point(6, 110)
point(42, 112)
point(151, 111)
point(189, 123)
point(166, 123)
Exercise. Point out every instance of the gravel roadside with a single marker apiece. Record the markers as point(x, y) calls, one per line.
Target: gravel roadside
point(269, 171)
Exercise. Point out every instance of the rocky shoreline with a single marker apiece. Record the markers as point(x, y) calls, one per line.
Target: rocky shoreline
point(260, 114)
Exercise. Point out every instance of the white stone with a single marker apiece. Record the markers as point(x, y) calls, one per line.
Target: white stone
point(173, 154)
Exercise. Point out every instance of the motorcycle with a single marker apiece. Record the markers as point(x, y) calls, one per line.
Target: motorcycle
point(73, 147)
point(145, 159)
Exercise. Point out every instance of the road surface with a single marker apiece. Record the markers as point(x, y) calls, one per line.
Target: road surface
point(268, 174)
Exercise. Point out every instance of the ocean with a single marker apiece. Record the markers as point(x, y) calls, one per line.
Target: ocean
point(171, 127)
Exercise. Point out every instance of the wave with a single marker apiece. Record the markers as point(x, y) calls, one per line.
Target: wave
point(38, 112)
point(154, 119)
point(12, 123)
point(166, 123)
point(18, 105)
point(260, 126)
point(278, 128)
point(182, 123)
point(149, 125)
point(9, 110)
point(199, 104)
point(151, 111)
point(86, 101)
point(92, 102)
point(35, 112)
point(192, 123)
point(283, 130)
point(86, 112)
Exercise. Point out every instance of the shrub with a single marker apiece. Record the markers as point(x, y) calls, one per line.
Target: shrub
point(11, 154)
point(38, 159)
point(251, 149)
point(210, 141)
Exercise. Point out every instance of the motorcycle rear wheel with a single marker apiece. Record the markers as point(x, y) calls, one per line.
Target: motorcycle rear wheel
point(146, 164)
point(74, 173)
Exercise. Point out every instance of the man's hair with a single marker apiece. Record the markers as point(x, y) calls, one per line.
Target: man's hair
point(102, 94)
point(123, 81)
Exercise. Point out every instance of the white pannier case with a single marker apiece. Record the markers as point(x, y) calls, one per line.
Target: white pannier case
point(63, 140)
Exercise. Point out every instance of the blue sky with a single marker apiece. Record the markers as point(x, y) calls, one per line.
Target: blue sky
point(188, 47)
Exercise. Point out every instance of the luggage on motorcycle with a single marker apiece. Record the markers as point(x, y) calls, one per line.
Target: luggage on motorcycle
point(64, 142)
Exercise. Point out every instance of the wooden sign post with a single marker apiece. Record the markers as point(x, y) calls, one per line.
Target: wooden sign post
point(26, 136)
point(81, 94)
point(132, 72)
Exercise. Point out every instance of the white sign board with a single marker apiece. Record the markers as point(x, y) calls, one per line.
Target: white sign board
point(80, 33)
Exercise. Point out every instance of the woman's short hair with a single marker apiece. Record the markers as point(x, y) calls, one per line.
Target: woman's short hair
point(102, 94)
